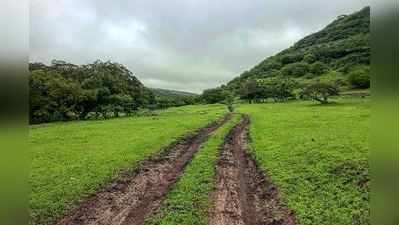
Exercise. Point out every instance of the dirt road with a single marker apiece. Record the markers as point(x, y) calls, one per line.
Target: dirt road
point(243, 194)
point(136, 195)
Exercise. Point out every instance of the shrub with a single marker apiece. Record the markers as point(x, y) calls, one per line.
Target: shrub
point(229, 101)
point(359, 77)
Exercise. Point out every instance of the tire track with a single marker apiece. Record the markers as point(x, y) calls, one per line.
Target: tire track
point(137, 194)
point(243, 194)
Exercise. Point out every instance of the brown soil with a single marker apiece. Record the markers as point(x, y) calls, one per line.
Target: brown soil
point(243, 194)
point(137, 194)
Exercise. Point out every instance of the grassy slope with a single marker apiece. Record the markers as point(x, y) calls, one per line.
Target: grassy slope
point(188, 201)
point(318, 157)
point(71, 160)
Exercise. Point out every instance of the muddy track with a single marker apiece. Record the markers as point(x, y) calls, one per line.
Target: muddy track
point(137, 194)
point(243, 194)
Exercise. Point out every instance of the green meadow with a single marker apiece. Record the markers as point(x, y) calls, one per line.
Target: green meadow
point(74, 159)
point(318, 157)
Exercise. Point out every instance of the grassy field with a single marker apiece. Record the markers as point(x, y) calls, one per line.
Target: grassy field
point(316, 154)
point(188, 201)
point(71, 160)
point(318, 157)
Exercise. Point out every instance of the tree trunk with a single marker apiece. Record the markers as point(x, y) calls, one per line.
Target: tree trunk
point(322, 101)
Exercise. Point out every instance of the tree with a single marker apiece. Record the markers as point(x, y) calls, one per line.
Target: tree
point(212, 96)
point(64, 91)
point(320, 92)
point(51, 97)
point(359, 77)
point(280, 88)
point(253, 90)
point(86, 103)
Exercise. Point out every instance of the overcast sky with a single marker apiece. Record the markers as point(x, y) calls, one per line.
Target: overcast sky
point(186, 45)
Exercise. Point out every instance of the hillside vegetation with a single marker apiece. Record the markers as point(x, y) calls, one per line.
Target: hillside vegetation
point(171, 93)
point(337, 56)
point(169, 98)
point(341, 46)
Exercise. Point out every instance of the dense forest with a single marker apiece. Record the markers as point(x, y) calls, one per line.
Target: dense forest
point(318, 66)
point(64, 91)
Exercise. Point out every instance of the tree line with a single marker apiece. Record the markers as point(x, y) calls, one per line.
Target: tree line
point(64, 91)
point(277, 89)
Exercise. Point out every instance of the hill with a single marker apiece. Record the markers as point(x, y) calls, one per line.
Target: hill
point(170, 93)
point(330, 54)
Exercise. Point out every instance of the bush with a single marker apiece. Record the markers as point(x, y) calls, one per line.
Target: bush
point(360, 77)
point(229, 100)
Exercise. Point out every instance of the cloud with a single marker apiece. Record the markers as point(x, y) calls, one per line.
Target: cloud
point(186, 45)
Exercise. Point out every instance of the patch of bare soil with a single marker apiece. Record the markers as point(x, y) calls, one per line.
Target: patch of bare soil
point(243, 194)
point(137, 194)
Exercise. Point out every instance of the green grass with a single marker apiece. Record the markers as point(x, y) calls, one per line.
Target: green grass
point(318, 157)
point(188, 201)
point(72, 160)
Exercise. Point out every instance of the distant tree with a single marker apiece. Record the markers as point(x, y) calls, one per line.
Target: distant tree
point(320, 92)
point(253, 91)
point(359, 77)
point(280, 88)
point(212, 96)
